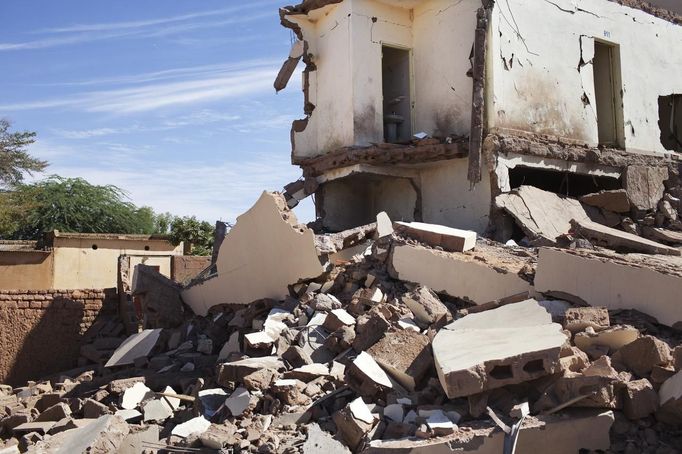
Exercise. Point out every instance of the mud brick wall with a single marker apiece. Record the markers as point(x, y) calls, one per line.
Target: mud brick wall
point(186, 267)
point(41, 330)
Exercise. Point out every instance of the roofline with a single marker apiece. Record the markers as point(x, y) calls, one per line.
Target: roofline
point(107, 236)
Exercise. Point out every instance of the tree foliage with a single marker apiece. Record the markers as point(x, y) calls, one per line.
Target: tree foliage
point(197, 235)
point(14, 159)
point(70, 205)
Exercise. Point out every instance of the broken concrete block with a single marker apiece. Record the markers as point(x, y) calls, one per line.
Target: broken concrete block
point(384, 225)
point(593, 276)
point(583, 391)
point(55, 413)
point(238, 401)
point(264, 253)
point(308, 372)
point(41, 427)
point(229, 373)
point(319, 441)
point(134, 395)
point(289, 391)
point(644, 185)
point(369, 329)
point(405, 355)
point(578, 318)
point(104, 434)
point(93, 409)
point(136, 346)
point(601, 368)
point(643, 354)
point(258, 341)
point(640, 400)
point(220, 436)
point(614, 338)
point(394, 412)
point(449, 239)
point(670, 400)
point(128, 415)
point(543, 216)
point(426, 306)
point(615, 200)
point(157, 410)
point(231, 346)
point(511, 344)
point(618, 240)
point(588, 431)
point(366, 376)
point(338, 318)
point(354, 422)
point(197, 425)
point(462, 275)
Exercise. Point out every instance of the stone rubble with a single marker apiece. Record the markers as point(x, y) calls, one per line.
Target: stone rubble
point(400, 347)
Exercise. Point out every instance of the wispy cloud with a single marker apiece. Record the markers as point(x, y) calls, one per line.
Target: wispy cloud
point(156, 27)
point(149, 97)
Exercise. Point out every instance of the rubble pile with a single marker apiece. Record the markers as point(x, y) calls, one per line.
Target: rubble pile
point(366, 357)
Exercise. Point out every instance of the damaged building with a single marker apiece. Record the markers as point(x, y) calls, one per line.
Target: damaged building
point(495, 267)
point(448, 104)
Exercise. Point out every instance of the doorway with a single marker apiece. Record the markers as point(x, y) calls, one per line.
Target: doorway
point(608, 94)
point(396, 87)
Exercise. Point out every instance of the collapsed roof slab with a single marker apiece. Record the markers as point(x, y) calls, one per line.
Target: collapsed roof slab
point(511, 344)
point(649, 284)
point(566, 434)
point(488, 273)
point(265, 252)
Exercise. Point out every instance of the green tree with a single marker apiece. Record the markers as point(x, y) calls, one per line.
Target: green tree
point(70, 205)
point(197, 235)
point(162, 222)
point(14, 159)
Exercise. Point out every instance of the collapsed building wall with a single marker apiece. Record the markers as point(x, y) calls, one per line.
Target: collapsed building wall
point(42, 330)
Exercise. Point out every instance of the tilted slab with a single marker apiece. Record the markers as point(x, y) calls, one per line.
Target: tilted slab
point(649, 284)
point(261, 256)
point(488, 274)
point(511, 344)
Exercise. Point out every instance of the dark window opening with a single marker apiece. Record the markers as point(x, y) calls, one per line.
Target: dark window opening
point(670, 121)
point(564, 183)
point(396, 87)
point(608, 94)
point(94, 247)
point(146, 248)
point(535, 366)
point(501, 372)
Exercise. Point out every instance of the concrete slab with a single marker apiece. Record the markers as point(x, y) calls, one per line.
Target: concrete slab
point(405, 355)
point(615, 280)
point(104, 434)
point(618, 240)
point(134, 395)
point(584, 430)
point(238, 401)
point(615, 200)
point(265, 252)
point(511, 344)
point(157, 410)
point(448, 238)
point(136, 346)
point(488, 274)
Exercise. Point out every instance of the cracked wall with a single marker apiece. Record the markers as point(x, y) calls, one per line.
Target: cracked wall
point(345, 41)
point(542, 77)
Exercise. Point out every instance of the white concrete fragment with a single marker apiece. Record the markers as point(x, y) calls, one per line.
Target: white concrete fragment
point(157, 410)
point(128, 415)
point(134, 395)
point(408, 323)
point(671, 389)
point(365, 363)
point(196, 425)
point(344, 317)
point(174, 402)
point(384, 225)
point(317, 319)
point(231, 346)
point(238, 401)
point(259, 340)
point(135, 346)
point(360, 411)
point(450, 239)
point(436, 419)
point(264, 253)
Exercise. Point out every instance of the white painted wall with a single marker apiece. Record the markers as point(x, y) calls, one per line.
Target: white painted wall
point(448, 200)
point(346, 41)
point(540, 89)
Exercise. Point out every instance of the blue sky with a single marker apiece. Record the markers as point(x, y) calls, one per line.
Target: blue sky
point(170, 100)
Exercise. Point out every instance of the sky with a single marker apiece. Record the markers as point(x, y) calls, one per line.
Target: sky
point(171, 101)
